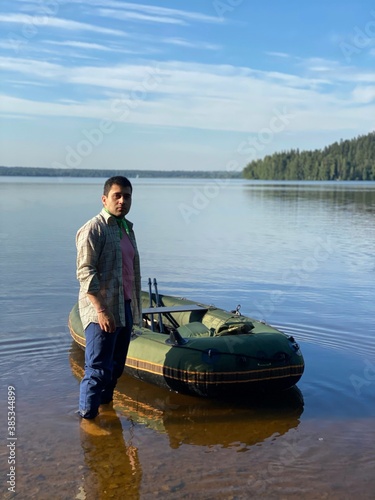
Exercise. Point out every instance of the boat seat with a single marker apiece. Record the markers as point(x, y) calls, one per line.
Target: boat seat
point(194, 329)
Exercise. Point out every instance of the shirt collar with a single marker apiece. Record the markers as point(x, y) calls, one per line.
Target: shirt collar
point(111, 220)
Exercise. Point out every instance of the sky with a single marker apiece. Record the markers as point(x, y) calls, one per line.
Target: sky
point(181, 85)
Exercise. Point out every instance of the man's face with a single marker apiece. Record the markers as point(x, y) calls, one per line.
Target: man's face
point(118, 201)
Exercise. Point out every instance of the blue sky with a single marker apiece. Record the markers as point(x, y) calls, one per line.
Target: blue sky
point(193, 85)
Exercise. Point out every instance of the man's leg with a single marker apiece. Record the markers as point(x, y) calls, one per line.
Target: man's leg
point(98, 368)
point(119, 355)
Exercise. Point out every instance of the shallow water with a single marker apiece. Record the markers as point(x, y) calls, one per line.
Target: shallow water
point(299, 255)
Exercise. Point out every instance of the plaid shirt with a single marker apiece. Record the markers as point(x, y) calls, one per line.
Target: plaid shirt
point(99, 269)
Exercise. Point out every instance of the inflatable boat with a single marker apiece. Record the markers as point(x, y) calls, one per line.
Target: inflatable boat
point(201, 421)
point(199, 349)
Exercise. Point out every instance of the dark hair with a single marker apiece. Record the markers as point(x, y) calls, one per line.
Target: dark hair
point(119, 180)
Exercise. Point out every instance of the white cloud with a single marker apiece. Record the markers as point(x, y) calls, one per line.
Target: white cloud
point(364, 94)
point(136, 16)
point(80, 45)
point(335, 73)
point(54, 22)
point(196, 16)
point(91, 46)
point(202, 100)
point(279, 54)
point(203, 96)
point(32, 67)
point(193, 45)
point(155, 13)
point(26, 83)
point(180, 78)
point(13, 116)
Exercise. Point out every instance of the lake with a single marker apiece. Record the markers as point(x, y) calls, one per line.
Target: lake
point(299, 255)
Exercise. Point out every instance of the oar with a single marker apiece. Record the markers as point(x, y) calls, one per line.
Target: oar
point(158, 304)
point(151, 305)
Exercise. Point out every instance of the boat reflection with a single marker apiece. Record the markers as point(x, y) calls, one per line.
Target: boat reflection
point(191, 420)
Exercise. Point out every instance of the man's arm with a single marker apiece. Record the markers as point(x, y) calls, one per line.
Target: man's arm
point(88, 251)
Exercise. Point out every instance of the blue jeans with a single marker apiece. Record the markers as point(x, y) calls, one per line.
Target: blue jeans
point(105, 356)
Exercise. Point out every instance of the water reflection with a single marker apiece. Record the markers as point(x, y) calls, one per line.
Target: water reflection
point(112, 466)
point(190, 420)
point(351, 197)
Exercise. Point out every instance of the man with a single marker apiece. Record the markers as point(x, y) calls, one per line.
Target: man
point(108, 270)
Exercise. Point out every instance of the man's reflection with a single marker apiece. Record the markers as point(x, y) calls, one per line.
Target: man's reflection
point(113, 468)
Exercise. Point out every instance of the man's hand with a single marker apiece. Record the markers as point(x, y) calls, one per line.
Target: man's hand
point(105, 317)
point(107, 321)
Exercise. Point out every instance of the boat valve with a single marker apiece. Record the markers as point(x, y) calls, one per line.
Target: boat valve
point(237, 310)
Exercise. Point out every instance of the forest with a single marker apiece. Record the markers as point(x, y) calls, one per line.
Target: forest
point(352, 159)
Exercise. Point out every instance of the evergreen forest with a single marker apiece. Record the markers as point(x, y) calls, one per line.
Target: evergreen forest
point(352, 159)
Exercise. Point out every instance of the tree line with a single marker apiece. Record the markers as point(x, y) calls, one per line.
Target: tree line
point(80, 172)
point(352, 159)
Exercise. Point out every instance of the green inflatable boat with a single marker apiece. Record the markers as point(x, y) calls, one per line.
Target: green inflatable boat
point(198, 349)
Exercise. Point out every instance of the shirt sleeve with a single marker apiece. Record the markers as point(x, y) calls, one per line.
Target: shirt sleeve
point(88, 243)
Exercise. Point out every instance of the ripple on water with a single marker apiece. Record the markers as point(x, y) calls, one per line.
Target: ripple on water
point(363, 343)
